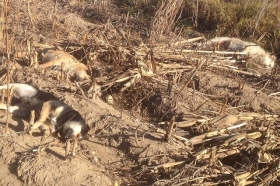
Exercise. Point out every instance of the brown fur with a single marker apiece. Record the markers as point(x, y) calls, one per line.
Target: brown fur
point(66, 62)
point(54, 110)
point(50, 114)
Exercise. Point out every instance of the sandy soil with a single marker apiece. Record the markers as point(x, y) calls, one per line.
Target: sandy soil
point(121, 146)
point(118, 143)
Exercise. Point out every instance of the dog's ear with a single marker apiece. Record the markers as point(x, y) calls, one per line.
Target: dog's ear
point(86, 129)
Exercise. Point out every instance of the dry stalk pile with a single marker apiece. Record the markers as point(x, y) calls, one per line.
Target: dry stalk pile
point(165, 17)
point(223, 145)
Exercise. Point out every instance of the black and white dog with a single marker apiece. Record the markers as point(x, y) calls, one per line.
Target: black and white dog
point(26, 98)
point(67, 121)
point(61, 117)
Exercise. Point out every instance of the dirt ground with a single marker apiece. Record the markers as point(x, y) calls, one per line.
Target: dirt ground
point(110, 147)
point(118, 142)
point(127, 141)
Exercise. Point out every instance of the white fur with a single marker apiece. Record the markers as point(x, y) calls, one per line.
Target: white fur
point(58, 111)
point(260, 55)
point(76, 127)
point(22, 90)
point(255, 52)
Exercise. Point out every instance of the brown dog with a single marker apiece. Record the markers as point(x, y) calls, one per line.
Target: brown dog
point(61, 60)
point(67, 121)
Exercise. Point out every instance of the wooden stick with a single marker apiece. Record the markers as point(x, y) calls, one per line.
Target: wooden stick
point(268, 81)
point(187, 41)
point(222, 110)
point(190, 79)
point(187, 83)
point(273, 94)
point(8, 60)
point(170, 128)
point(182, 139)
point(205, 52)
point(116, 183)
point(236, 70)
point(78, 86)
point(62, 75)
point(28, 46)
point(66, 75)
point(2, 95)
point(11, 94)
point(35, 58)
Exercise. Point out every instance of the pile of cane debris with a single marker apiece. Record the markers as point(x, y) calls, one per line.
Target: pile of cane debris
point(218, 141)
point(228, 145)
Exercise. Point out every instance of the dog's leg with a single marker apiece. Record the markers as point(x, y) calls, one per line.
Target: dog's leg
point(66, 75)
point(46, 110)
point(75, 144)
point(62, 71)
point(61, 75)
point(12, 109)
point(9, 98)
point(31, 120)
point(45, 129)
point(67, 148)
point(32, 117)
point(58, 76)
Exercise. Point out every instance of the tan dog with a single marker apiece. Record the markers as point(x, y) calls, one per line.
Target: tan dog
point(65, 62)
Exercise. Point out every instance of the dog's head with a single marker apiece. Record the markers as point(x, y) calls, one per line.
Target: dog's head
point(81, 75)
point(73, 129)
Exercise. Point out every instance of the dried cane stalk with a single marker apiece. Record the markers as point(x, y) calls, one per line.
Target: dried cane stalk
point(8, 60)
point(170, 128)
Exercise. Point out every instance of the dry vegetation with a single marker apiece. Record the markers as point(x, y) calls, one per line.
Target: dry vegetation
point(255, 20)
point(199, 117)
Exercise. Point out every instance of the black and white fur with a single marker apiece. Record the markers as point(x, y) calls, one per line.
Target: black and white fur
point(26, 98)
point(64, 119)
point(68, 122)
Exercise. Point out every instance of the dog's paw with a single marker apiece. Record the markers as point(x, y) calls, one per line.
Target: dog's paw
point(70, 157)
point(30, 132)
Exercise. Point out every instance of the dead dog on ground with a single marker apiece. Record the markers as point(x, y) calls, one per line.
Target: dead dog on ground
point(53, 115)
point(67, 121)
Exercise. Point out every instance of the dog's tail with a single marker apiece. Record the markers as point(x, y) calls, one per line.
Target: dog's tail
point(22, 90)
